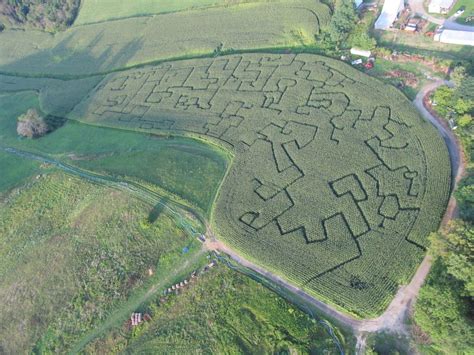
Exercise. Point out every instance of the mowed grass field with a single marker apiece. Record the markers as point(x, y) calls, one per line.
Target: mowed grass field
point(113, 45)
point(71, 253)
point(189, 170)
point(332, 189)
point(222, 312)
point(92, 11)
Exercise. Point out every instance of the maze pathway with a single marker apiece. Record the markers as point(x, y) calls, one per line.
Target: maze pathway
point(336, 180)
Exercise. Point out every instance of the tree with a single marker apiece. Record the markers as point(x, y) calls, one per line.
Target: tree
point(465, 198)
point(465, 90)
point(465, 121)
point(360, 38)
point(442, 313)
point(31, 124)
point(342, 22)
point(458, 74)
point(458, 253)
point(463, 106)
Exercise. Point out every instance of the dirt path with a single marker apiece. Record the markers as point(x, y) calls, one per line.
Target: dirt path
point(394, 318)
point(121, 314)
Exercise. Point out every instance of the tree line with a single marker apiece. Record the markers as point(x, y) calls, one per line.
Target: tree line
point(50, 15)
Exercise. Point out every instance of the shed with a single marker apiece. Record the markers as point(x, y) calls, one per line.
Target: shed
point(465, 38)
point(390, 11)
point(360, 52)
point(440, 6)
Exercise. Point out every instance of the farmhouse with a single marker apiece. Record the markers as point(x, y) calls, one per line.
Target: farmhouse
point(390, 11)
point(440, 6)
point(465, 38)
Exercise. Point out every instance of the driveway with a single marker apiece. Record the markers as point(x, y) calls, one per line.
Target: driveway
point(450, 23)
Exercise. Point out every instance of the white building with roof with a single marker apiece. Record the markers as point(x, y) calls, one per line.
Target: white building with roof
point(390, 11)
point(440, 6)
point(465, 38)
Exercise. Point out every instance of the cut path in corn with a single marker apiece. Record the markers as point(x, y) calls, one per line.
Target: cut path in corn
point(395, 316)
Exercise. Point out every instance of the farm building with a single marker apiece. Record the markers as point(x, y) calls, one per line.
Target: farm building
point(440, 6)
point(360, 52)
point(390, 11)
point(465, 38)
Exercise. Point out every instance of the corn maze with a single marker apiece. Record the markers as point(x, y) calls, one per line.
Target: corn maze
point(336, 181)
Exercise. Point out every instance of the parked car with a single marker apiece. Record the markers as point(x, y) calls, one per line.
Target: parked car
point(460, 11)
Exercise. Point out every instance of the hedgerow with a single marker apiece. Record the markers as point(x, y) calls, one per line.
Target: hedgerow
point(336, 180)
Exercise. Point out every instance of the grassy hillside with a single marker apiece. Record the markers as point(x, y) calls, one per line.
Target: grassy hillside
point(166, 163)
point(222, 312)
point(331, 188)
point(68, 259)
point(103, 10)
point(15, 171)
point(115, 44)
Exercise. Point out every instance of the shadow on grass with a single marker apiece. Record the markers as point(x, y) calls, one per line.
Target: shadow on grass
point(156, 212)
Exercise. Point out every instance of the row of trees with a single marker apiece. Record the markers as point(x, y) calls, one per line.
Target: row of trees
point(444, 310)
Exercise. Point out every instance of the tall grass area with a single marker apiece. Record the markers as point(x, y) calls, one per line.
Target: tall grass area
point(113, 45)
point(221, 312)
point(102, 10)
point(70, 254)
point(190, 170)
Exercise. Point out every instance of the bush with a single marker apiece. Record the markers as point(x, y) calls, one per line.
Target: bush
point(32, 124)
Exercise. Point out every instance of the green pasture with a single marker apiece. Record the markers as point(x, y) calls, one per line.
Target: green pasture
point(112, 45)
point(72, 253)
point(15, 171)
point(222, 312)
point(190, 170)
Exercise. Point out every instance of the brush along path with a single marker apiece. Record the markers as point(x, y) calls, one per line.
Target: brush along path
point(336, 180)
point(175, 209)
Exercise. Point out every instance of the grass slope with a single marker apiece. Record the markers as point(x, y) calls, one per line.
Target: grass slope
point(166, 163)
point(15, 171)
point(331, 188)
point(221, 312)
point(68, 259)
point(117, 44)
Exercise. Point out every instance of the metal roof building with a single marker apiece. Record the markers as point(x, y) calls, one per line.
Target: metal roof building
point(390, 11)
point(465, 38)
